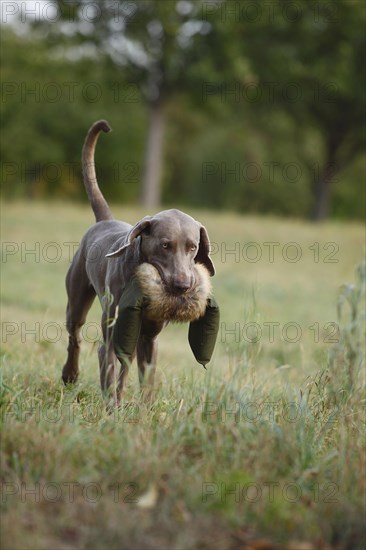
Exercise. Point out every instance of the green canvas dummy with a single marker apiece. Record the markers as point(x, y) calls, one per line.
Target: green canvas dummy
point(145, 294)
point(203, 332)
point(128, 323)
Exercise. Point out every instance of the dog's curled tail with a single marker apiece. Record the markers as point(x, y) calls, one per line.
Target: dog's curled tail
point(98, 202)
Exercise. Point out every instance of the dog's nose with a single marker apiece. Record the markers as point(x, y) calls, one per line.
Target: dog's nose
point(181, 285)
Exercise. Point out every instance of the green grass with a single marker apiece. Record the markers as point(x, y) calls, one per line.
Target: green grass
point(266, 445)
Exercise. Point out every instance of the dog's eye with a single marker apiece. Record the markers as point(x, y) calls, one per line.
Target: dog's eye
point(165, 245)
point(193, 247)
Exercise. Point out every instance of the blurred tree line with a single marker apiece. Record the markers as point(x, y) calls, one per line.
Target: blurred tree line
point(244, 105)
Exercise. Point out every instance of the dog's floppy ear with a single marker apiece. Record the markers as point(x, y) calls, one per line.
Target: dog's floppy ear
point(203, 254)
point(134, 232)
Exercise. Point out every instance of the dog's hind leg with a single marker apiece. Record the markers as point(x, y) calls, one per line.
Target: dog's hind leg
point(80, 298)
point(147, 351)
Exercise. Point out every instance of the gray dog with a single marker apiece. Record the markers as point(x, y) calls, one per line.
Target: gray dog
point(109, 255)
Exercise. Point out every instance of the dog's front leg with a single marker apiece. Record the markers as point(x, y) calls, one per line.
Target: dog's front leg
point(147, 349)
point(111, 381)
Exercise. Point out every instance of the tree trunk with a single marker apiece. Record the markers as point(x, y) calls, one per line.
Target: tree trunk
point(322, 194)
point(153, 162)
point(322, 185)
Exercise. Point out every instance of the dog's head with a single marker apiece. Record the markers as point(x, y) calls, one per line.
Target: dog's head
point(173, 243)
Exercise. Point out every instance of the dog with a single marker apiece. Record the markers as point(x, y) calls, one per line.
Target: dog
point(169, 253)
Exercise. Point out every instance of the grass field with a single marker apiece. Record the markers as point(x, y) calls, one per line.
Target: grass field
point(263, 450)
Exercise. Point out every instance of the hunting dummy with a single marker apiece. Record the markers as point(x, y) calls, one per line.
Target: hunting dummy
point(145, 295)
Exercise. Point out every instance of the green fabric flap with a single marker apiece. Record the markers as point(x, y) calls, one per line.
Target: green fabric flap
point(128, 324)
point(203, 333)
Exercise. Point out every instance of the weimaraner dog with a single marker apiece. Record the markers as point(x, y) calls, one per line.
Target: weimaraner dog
point(108, 257)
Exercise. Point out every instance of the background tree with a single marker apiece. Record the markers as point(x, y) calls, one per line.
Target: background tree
point(311, 57)
point(247, 85)
point(153, 42)
point(47, 105)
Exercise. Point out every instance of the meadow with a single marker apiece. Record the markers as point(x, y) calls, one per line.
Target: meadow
point(264, 450)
